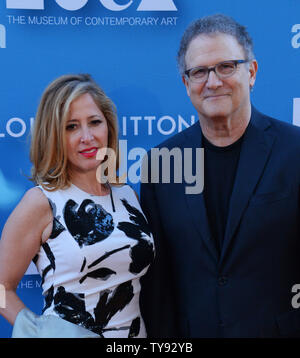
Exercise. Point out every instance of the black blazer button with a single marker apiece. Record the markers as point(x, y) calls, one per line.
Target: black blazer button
point(222, 280)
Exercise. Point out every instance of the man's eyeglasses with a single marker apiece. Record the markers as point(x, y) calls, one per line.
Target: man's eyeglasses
point(222, 70)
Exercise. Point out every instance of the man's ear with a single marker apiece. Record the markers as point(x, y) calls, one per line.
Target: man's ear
point(186, 83)
point(253, 66)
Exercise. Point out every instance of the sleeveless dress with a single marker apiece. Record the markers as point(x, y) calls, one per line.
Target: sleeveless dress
point(91, 265)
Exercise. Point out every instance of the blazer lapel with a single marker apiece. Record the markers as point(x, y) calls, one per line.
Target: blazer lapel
point(195, 202)
point(255, 152)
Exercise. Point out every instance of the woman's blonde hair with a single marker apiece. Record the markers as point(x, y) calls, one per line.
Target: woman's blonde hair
point(48, 145)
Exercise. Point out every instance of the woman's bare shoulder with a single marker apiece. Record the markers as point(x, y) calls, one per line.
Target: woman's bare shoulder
point(34, 201)
point(35, 194)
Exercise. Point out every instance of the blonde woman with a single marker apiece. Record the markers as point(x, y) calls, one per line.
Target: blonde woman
point(89, 240)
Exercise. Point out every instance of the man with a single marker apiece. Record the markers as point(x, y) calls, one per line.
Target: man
point(227, 258)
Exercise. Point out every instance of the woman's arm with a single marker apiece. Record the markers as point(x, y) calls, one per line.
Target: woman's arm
point(27, 227)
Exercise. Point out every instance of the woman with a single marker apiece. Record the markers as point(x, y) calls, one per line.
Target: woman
point(89, 240)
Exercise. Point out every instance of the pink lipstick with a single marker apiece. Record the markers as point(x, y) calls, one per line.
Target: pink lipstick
point(89, 152)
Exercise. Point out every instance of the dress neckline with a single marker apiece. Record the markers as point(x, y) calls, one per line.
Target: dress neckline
point(87, 193)
point(109, 195)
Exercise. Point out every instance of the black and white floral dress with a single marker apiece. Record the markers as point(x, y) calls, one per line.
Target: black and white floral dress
point(91, 265)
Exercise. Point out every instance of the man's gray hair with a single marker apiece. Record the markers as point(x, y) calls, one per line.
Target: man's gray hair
point(218, 23)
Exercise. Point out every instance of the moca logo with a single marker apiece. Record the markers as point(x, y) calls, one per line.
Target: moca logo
point(145, 5)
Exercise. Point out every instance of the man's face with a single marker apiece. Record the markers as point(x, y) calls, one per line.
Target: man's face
point(217, 98)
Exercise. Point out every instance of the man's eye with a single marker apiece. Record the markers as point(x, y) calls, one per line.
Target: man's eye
point(198, 72)
point(226, 67)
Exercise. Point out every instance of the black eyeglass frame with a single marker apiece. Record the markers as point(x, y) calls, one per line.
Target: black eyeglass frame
point(213, 68)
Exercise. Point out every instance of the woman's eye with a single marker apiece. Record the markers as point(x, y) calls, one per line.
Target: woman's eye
point(71, 126)
point(95, 122)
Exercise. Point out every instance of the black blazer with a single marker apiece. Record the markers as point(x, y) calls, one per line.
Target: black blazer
point(246, 291)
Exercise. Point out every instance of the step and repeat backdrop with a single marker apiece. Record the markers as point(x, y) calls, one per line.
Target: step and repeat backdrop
point(129, 47)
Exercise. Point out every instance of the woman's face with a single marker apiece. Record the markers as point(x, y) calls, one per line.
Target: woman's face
point(86, 132)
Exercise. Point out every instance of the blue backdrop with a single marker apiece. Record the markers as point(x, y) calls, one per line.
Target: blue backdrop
point(129, 47)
